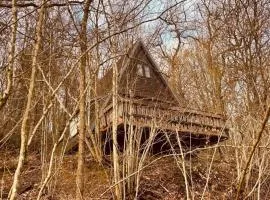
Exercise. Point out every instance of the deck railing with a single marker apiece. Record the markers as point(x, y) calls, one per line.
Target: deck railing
point(174, 118)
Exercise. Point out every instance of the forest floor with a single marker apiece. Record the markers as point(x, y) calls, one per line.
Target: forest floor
point(162, 179)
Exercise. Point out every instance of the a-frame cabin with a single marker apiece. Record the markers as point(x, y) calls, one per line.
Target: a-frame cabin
point(145, 100)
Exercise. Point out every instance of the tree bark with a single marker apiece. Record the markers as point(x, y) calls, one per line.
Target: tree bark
point(83, 46)
point(16, 180)
point(116, 168)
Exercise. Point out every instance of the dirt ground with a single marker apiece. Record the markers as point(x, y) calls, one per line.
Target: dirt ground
point(163, 178)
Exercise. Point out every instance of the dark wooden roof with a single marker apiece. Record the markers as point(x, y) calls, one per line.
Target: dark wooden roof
point(153, 89)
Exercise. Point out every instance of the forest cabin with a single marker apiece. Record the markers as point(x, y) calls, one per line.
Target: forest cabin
point(146, 101)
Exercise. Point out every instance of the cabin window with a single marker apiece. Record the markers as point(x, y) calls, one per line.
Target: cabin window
point(73, 127)
point(143, 70)
point(140, 69)
point(147, 71)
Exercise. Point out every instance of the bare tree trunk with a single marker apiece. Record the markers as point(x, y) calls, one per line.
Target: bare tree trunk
point(53, 152)
point(11, 56)
point(13, 190)
point(83, 44)
point(116, 168)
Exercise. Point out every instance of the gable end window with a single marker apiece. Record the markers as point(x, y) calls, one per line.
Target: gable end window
point(147, 71)
point(143, 70)
point(140, 69)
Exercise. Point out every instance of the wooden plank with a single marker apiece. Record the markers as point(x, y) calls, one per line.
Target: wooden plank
point(185, 121)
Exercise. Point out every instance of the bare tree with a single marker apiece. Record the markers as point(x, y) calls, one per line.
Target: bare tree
point(83, 64)
point(24, 134)
point(11, 56)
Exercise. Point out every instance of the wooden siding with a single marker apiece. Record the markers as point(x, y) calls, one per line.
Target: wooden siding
point(142, 87)
point(132, 84)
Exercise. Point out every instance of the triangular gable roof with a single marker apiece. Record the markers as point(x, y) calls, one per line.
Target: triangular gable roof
point(139, 44)
point(126, 62)
point(123, 63)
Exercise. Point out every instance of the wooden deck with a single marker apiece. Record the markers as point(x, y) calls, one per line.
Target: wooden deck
point(173, 119)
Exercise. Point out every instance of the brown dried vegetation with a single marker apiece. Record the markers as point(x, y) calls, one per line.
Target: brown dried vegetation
point(88, 62)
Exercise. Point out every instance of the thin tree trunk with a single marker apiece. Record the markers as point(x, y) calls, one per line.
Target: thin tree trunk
point(11, 56)
point(16, 180)
point(83, 45)
point(50, 167)
point(116, 168)
point(240, 189)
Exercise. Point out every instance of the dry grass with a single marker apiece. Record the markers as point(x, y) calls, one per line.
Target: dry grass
point(161, 180)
